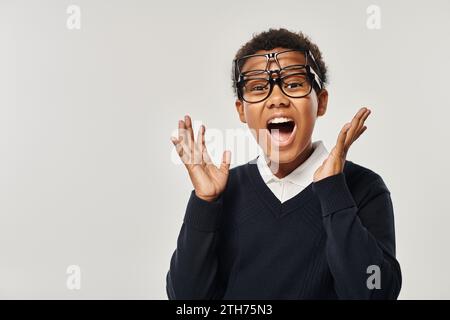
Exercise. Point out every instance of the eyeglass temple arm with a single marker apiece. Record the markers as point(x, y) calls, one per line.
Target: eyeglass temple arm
point(316, 73)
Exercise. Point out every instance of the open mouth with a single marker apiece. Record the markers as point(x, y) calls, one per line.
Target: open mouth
point(281, 130)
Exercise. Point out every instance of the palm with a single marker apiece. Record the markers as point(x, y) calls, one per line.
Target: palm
point(209, 181)
point(334, 164)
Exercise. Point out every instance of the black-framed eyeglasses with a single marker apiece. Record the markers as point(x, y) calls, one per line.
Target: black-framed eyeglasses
point(256, 85)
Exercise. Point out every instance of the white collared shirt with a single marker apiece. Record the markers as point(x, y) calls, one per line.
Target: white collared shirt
point(289, 186)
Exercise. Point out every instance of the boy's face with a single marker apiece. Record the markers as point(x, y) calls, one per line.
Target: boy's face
point(282, 143)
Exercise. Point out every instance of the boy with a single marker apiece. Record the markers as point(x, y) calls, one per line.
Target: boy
point(300, 224)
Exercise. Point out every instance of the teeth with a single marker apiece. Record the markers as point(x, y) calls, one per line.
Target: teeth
point(280, 120)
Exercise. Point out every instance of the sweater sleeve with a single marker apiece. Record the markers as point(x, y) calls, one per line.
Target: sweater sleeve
point(194, 264)
point(360, 244)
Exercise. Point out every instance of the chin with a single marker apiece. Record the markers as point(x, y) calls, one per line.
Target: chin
point(284, 156)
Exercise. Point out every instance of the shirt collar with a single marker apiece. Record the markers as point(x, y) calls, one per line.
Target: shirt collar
point(302, 175)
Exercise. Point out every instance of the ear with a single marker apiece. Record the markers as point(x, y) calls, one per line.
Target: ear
point(240, 110)
point(322, 98)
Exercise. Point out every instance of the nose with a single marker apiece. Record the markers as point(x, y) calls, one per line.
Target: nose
point(277, 98)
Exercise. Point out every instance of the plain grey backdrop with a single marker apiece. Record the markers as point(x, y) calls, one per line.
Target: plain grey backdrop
point(87, 175)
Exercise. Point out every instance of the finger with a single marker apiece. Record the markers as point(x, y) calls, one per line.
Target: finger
point(175, 142)
point(201, 146)
point(361, 124)
point(361, 132)
point(362, 119)
point(366, 114)
point(200, 143)
point(205, 155)
point(194, 152)
point(190, 132)
point(182, 134)
point(355, 121)
point(198, 147)
point(181, 151)
point(226, 161)
point(187, 141)
point(181, 129)
point(340, 143)
point(355, 126)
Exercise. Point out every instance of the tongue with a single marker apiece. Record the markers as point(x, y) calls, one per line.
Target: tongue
point(280, 135)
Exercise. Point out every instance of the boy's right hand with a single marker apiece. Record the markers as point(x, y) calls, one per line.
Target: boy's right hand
point(208, 180)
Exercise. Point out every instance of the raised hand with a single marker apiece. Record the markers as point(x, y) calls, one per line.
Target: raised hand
point(351, 131)
point(208, 180)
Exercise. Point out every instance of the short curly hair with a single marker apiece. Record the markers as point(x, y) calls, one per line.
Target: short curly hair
point(273, 38)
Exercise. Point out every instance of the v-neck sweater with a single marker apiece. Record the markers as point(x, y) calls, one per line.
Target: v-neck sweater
point(333, 240)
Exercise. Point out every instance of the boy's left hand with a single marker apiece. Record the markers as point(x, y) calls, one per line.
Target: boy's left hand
point(351, 131)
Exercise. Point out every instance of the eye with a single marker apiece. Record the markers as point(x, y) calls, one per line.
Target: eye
point(257, 88)
point(256, 84)
point(295, 81)
point(293, 85)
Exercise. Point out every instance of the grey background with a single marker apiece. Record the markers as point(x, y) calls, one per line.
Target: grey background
point(86, 170)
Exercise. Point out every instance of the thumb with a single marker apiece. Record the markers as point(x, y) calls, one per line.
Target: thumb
point(226, 161)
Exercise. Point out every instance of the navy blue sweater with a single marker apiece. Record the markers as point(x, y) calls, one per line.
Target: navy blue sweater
point(321, 244)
